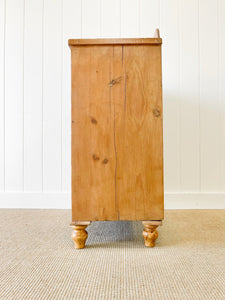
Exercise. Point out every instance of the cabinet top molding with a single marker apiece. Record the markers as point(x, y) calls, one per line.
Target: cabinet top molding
point(127, 41)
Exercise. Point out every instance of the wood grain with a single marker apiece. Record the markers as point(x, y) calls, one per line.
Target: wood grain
point(79, 234)
point(130, 41)
point(117, 151)
point(139, 136)
point(93, 149)
point(150, 233)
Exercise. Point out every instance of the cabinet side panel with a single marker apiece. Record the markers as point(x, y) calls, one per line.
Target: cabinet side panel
point(139, 136)
point(93, 149)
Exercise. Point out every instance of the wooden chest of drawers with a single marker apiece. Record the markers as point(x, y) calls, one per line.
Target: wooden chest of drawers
point(117, 136)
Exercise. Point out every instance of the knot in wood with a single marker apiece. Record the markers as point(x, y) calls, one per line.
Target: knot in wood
point(95, 157)
point(94, 121)
point(156, 112)
point(114, 81)
point(105, 161)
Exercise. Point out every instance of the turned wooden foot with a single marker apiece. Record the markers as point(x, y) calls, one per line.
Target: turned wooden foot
point(79, 234)
point(150, 233)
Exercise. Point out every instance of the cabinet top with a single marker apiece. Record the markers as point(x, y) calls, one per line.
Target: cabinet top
point(125, 41)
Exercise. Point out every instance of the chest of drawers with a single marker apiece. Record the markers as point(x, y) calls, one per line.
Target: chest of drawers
point(117, 136)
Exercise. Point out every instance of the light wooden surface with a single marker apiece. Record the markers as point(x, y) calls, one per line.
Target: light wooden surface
point(129, 41)
point(139, 136)
point(93, 180)
point(150, 233)
point(79, 235)
point(80, 223)
point(152, 222)
point(117, 153)
point(157, 34)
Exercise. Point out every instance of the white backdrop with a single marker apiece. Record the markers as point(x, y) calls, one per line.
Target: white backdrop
point(35, 94)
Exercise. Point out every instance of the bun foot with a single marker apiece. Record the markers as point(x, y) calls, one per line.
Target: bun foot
point(150, 233)
point(79, 234)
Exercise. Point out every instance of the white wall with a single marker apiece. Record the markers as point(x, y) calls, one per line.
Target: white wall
point(35, 94)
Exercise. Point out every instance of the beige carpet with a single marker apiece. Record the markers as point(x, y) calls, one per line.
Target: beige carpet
point(38, 261)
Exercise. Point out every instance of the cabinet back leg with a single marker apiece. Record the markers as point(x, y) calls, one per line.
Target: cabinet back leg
point(150, 232)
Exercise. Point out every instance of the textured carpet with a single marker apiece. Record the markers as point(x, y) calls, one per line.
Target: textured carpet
point(38, 261)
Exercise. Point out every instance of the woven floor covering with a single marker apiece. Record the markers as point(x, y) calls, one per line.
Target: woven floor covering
point(38, 261)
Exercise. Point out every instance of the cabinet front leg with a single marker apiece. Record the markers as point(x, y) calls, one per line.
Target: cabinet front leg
point(79, 234)
point(150, 232)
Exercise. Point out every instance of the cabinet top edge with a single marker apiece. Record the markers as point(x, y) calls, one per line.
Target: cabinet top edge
point(122, 41)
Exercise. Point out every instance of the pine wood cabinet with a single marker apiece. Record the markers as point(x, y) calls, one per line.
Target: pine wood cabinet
point(117, 134)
